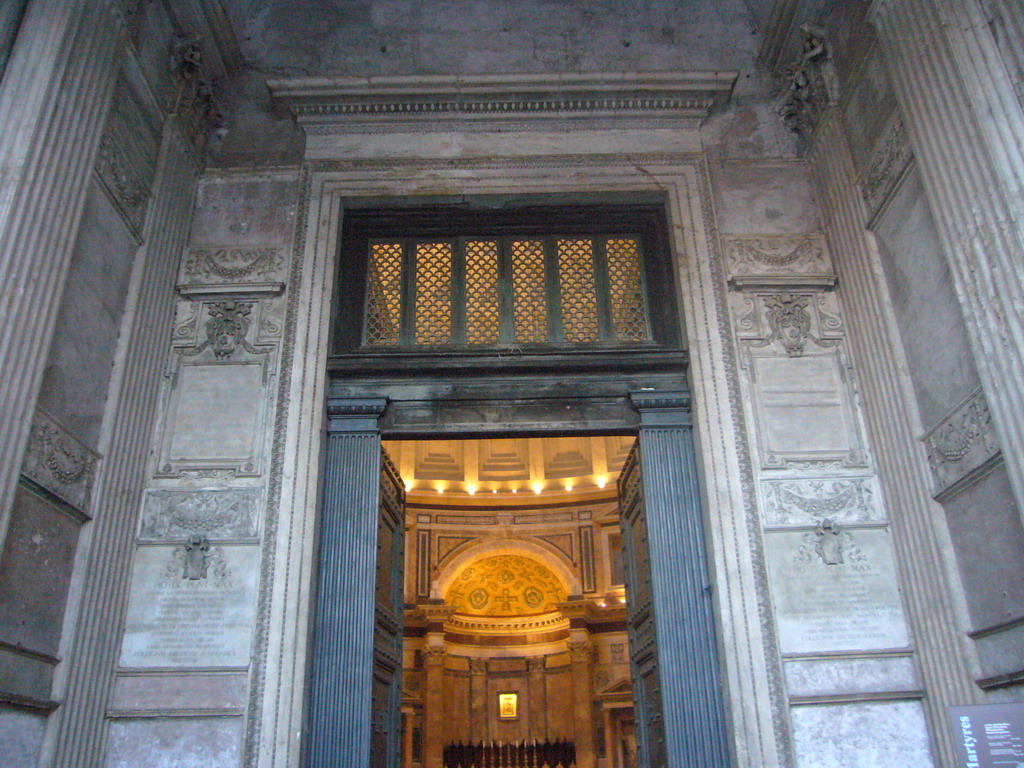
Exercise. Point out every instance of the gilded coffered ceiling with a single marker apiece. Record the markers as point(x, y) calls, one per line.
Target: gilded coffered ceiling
point(505, 585)
point(510, 470)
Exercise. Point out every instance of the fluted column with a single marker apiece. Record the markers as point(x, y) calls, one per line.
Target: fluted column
point(537, 703)
point(407, 739)
point(433, 702)
point(581, 652)
point(53, 102)
point(342, 667)
point(688, 668)
point(889, 409)
point(966, 125)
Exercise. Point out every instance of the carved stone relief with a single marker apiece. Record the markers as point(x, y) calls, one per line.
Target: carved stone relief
point(221, 269)
point(126, 162)
point(812, 83)
point(228, 513)
point(890, 158)
point(805, 501)
point(962, 446)
point(58, 462)
point(787, 260)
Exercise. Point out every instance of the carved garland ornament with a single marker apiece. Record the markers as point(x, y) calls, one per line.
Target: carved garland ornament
point(58, 462)
point(232, 264)
point(962, 444)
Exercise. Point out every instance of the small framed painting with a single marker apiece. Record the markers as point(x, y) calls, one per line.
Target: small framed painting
point(508, 706)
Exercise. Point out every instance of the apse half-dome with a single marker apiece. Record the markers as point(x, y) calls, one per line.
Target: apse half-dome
point(505, 585)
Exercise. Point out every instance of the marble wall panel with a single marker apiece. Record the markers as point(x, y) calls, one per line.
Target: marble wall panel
point(258, 210)
point(850, 604)
point(215, 418)
point(161, 692)
point(178, 617)
point(832, 676)
point(868, 105)
point(77, 374)
point(865, 735)
point(21, 733)
point(175, 742)
point(35, 572)
point(764, 199)
point(925, 303)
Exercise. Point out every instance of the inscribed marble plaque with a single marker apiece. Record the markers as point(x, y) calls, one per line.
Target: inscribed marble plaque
point(177, 621)
point(852, 603)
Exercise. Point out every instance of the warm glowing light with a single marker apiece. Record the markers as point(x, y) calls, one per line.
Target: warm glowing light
point(602, 481)
point(471, 489)
point(622, 600)
point(515, 490)
point(408, 487)
point(440, 488)
point(602, 604)
point(494, 490)
point(537, 487)
point(568, 486)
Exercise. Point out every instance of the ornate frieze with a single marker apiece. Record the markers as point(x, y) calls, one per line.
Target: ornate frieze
point(220, 514)
point(59, 462)
point(962, 446)
point(251, 270)
point(789, 260)
point(890, 158)
point(845, 500)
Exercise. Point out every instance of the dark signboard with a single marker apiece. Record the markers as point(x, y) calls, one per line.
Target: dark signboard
point(989, 735)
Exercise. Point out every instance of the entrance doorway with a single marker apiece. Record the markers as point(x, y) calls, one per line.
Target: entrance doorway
point(515, 630)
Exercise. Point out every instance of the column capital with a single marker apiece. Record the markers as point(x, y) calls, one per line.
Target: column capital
point(354, 414)
point(433, 655)
point(581, 651)
point(662, 408)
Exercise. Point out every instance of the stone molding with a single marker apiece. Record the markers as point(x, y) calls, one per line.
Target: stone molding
point(962, 447)
point(347, 103)
point(778, 260)
point(59, 462)
point(891, 157)
point(235, 270)
point(215, 513)
point(807, 501)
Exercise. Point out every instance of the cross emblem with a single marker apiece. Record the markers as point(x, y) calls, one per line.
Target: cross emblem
point(506, 600)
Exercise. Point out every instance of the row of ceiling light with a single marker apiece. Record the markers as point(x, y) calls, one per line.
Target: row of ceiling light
point(472, 489)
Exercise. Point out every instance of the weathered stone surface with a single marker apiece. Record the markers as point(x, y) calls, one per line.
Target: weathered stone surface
point(21, 734)
point(152, 692)
point(851, 605)
point(176, 742)
point(861, 735)
point(177, 621)
point(59, 462)
point(844, 500)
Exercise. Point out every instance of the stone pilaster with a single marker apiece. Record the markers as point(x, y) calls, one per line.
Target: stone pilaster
point(342, 665)
point(966, 125)
point(889, 409)
point(581, 652)
point(433, 701)
point(53, 103)
point(477, 699)
point(538, 701)
point(690, 690)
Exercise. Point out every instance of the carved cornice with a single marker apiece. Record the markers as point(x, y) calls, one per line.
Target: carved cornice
point(786, 260)
point(348, 102)
point(962, 447)
point(59, 462)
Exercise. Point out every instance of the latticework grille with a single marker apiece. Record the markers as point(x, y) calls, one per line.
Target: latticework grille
point(433, 310)
point(482, 318)
point(383, 326)
point(579, 295)
point(629, 311)
point(529, 303)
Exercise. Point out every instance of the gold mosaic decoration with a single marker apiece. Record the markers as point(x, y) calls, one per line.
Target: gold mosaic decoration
point(505, 585)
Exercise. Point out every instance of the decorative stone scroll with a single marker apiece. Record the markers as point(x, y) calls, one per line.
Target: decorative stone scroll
point(229, 513)
point(59, 462)
point(891, 156)
point(963, 446)
point(845, 500)
point(789, 260)
point(235, 270)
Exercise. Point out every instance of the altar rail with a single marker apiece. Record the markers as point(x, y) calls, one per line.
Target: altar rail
point(549, 754)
